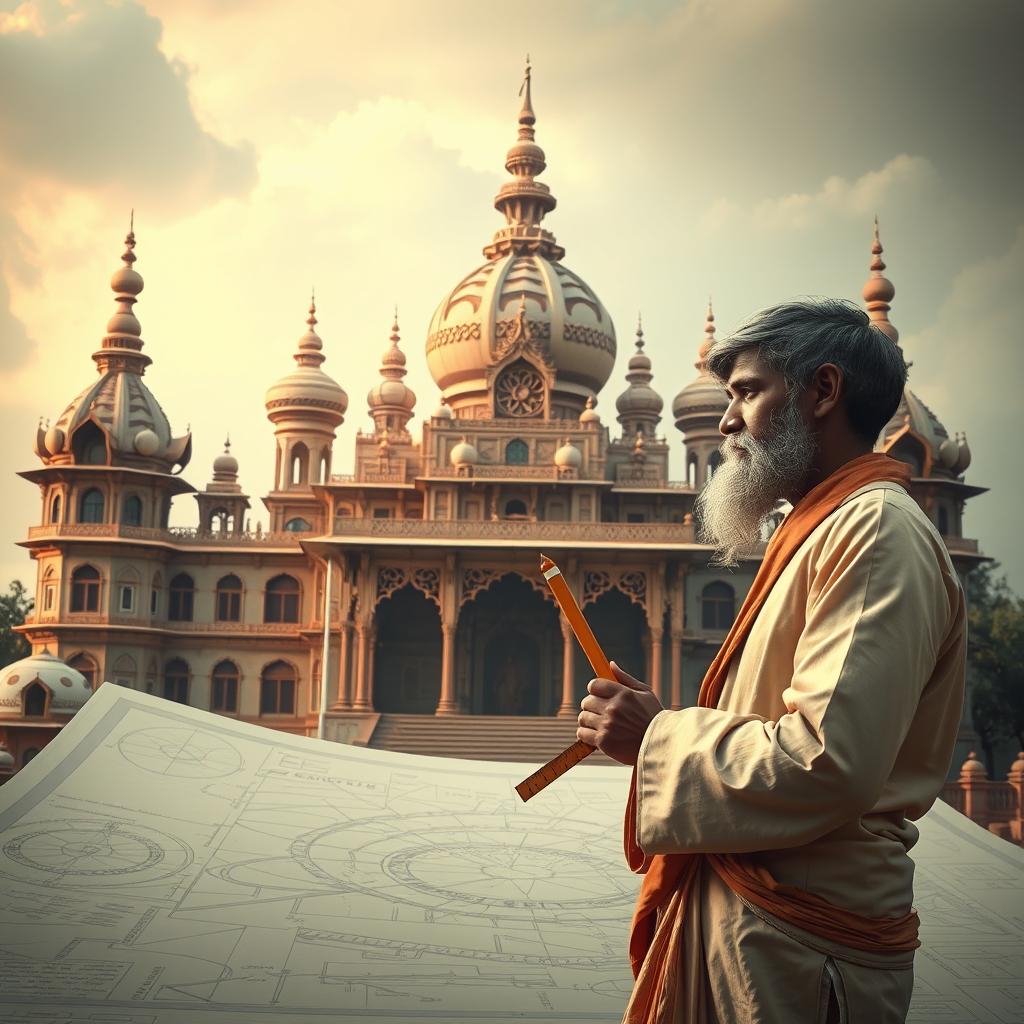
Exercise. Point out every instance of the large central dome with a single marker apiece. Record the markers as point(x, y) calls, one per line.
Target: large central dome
point(521, 335)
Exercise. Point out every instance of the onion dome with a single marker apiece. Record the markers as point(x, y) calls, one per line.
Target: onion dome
point(307, 390)
point(878, 291)
point(568, 456)
point(391, 401)
point(590, 414)
point(639, 405)
point(225, 472)
point(521, 324)
point(703, 398)
point(464, 454)
point(442, 412)
point(66, 689)
point(964, 455)
point(6, 761)
point(116, 420)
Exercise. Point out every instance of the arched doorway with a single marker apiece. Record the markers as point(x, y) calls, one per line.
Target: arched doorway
point(620, 626)
point(509, 646)
point(407, 660)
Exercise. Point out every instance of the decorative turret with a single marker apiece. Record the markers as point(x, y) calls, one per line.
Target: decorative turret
point(391, 402)
point(116, 421)
point(222, 505)
point(698, 409)
point(590, 414)
point(639, 405)
point(306, 407)
point(524, 201)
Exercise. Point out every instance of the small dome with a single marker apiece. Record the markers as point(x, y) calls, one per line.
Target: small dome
point(146, 442)
point(54, 440)
point(568, 457)
point(964, 458)
point(225, 464)
point(391, 392)
point(949, 452)
point(972, 766)
point(464, 454)
point(589, 414)
point(6, 761)
point(702, 398)
point(443, 411)
point(69, 690)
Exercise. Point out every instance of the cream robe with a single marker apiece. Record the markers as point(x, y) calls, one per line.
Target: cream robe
point(835, 726)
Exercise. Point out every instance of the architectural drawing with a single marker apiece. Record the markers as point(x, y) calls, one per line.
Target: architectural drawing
point(167, 865)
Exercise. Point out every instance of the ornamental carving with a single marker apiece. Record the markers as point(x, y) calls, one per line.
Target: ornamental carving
point(475, 581)
point(391, 578)
point(632, 584)
point(520, 335)
point(519, 392)
point(453, 335)
point(590, 336)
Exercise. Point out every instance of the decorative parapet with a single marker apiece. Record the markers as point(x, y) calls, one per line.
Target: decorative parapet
point(175, 535)
point(647, 475)
point(511, 529)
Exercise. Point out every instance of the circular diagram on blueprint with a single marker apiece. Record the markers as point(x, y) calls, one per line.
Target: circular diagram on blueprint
point(181, 752)
point(477, 864)
point(73, 852)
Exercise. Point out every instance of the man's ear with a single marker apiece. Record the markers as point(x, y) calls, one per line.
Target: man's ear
point(828, 385)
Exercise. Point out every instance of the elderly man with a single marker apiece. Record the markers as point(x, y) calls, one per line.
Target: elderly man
point(772, 821)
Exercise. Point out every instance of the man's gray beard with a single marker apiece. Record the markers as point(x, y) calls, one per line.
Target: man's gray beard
point(735, 502)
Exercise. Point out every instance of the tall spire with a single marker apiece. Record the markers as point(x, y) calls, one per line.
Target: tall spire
point(639, 406)
point(392, 400)
point(121, 348)
point(708, 342)
point(310, 345)
point(524, 201)
point(878, 291)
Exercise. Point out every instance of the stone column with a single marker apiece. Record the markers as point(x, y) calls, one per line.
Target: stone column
point(655, 680)
point(568, 708)
point(371, 652)
point(344, 696)
point(677, 670)
point(447, 704)
point(361, 701)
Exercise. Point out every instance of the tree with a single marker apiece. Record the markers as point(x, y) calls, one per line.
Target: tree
point(14, 606)
point(995, 654)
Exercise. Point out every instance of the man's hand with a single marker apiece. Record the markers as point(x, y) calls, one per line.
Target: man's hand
point(616, 714)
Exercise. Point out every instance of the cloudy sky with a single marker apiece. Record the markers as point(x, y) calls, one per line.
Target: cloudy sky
point(734, 147)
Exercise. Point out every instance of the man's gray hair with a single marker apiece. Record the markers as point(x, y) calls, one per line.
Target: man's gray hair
point(795, 338)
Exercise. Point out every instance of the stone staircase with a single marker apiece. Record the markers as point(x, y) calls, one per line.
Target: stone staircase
point(529, 739)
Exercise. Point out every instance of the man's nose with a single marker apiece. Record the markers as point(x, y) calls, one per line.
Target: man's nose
point(731, 422)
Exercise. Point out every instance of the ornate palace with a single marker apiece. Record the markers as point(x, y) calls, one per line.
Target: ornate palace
point(439, 633)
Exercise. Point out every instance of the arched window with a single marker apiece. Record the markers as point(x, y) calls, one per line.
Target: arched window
point(86, 665)
point(35, 700)
point(298, 525)
point(281, 601)
point(718, 605)
point(181, 598)
point(299, 471)
point(55, 509)
point(90, 508)
point(691, 470)
point(229, 599)
point(85, 589)
point(125, 671)
point(515, 509)
point(89, 445)
point(277, 689)
point(176, 680)
point(943, 521)
point(325, 465)
point(224, 691)
point(28, 755)
point(516, 453)
point(714, 461)
point(131, 511)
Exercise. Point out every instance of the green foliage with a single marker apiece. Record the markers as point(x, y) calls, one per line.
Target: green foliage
point(995, 653)
point(14, 606)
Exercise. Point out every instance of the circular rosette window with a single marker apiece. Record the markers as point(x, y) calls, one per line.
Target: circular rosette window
point(519, 391)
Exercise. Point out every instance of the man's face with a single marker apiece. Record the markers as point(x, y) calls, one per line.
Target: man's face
point(767, 452)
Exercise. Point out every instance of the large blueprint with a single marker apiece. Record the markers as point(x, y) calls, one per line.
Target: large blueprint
point(159, 865)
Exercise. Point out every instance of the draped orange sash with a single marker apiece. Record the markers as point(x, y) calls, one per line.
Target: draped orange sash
point(669, 877)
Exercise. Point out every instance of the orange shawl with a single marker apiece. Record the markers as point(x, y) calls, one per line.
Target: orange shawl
point(669, 874)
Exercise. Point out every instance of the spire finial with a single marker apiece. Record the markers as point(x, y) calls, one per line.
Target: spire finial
point(639, 333)
point(878, 290)
point(311, 319)
point(527, 118)
point(227, 444)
